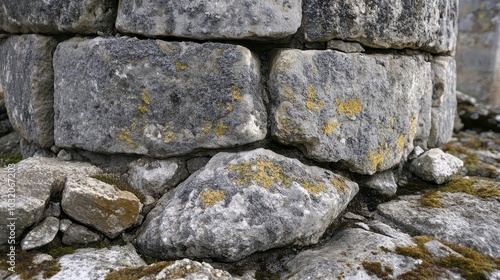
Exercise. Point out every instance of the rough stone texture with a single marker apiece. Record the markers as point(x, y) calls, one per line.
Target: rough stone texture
point(156, 98)
point(100, 205)
point(242, 203)
point(76, 234)
point(35, 180)
point(444, 101)
point(343, 257)
point(55, 16)
point(383, 182)
point(463, 219)
point(347, 47)
point(156, 177)
point(28, 82)
point(10, 144)
point(41, 235)
point(195, 164)
point(436, 166)
point(420, 24)
point(198, 19)
point(363, 110)
point(95, 264)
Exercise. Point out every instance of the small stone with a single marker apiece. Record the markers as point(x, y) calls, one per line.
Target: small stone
point(40, 258)
point(347, 47)
point(63, 155)
point(436, 166)
point(41, 235)
point(382, 182)
point(64, 225)
point(53, 210)
point(352, 216)
point(79, 235)
point(417, 151)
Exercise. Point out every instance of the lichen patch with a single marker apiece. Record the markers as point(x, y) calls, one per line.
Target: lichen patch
point(312, 102)
point(350, 107)
point(209, 198)
point(330, 127)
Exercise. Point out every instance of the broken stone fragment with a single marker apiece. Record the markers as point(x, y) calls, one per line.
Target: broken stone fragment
point(436, 166)
point(41, 235)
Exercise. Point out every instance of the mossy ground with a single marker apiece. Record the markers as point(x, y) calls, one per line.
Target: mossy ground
point(134, 273)
point(10, 159)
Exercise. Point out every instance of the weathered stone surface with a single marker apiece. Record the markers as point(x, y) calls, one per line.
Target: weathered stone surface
point(35, 179)
point(347, 47)
point(383, 182)
point(444, 101)
point(54, 16)
point(227, 19)
point(195, 164)
point(363, 110)
point(100, 205)
point(436, 166)
point(427, 25)
point(95, 264)
point(10, 144)
point(156, 98)
point(41, 235)
point(242, 203)
point(344, 255)
point(28, 82)
point(76, 234)
point(463, 219)
point(156, 177)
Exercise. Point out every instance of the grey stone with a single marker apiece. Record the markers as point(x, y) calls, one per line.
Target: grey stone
point(344, 255)
point(156, 98)
point(64, 225)
point(417, 151)
point(28, 82)
point(10, 144)
point(156, 177)
point(29, 149)
point(195, 164)
point(383, 182)
point(41, 235)
point(363, 110)
point(242, 203)
point(40, 258)
point(55, 16)
point(347, 47)
point(352, 216)
point(463, 219)
point(63, 155)
point(426, 25)
point(95, 264)
point(34, 181)
point(5, 127)
point(436, 166)
point(100, 205)
point(439, 250)
point(197, 19)
point(79, 235)
point(444, 101)
point(53, 209)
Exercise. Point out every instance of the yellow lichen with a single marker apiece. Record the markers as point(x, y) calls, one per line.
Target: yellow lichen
point(431, 199)
point(145, 97)
point(393, 121)
point(143, 108)
point(330, 127)
point(350, 107)
point(180, 67)
point(229, 107)
point(401, 143)
point(288, 94)
point(235, 92)
point(329, 86)
point(339, 184)
point(377, 158)
point(125, 135)
point(314, 188)
point(216, 70)
point(261, 172)
point(206, 128)
point(413, 127)
point(210, 197)
point(313, 103)
point(169, 137)
point(165, 128)
point(134, 125)
point(220, 129)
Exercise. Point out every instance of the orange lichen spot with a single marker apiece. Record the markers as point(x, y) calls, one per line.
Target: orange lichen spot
point(350, 107)
point(313, 103)
point(220, 129)
point(401, 143)
point(209, 198)
point(235, 92)
point(169, 137)
point(145, 97)
point(180, 67)
point(330, 127)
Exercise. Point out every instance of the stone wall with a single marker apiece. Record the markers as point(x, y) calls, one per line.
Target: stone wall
point(148, 88)
point(478, 50)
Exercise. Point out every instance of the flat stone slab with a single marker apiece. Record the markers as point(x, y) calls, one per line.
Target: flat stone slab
point(198, 19)
point(242, 203)
point(362, 110)
point(156, 98)
point(426, 25)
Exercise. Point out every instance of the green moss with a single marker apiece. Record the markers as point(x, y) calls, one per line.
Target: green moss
point(467, 186)
point(376, 268)
point(115, 180)
point(58, 252)
point(28, 270)
point(10, 159)
point(134, 273)
point(431, 199)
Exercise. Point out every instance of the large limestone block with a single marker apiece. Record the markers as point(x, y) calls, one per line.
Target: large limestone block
point(58, 16)
point(242, 203)
point(28, 84)
point(156, 98)
point(363, 110)
point(200, 19)
point(399, 24)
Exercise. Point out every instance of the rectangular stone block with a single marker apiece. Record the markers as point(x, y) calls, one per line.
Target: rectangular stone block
point(362, 110)
point(200, 19)
point(27, 79)
point(156, 98)
point(416, 24)
point(58, 16)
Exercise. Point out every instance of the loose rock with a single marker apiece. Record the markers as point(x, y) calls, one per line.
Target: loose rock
point(384, 182)
point(436, 166)
point(41, 235)
point(76, 234)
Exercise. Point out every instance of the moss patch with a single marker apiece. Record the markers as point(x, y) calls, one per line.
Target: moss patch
point(376, 268)
point(431, 199)
point(10, 159)
point(467, 186)
point(135, 273)
point(28, 270)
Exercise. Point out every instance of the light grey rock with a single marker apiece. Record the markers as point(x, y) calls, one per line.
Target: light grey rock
point(383, 182)
point(197, 19)
point(463, 219)
point(34, 181)
point(195, 164)
point(100, 205)
point(343, 257)
point(79, 235)
point(63, 155)
point(417, 151)
point(95, 264)
point(40, 258)
point(64, 225)
point(55, 16)
point(10, 144)
point(428, 25)
point(41, 235)
point(242, 203)
point(436, 166)
point(352, 216)
point(28, 82)
point(444, 101)
point(439, 250)
point(347, 47)
point(363, 110)
point(156, 177)
point(156, 98)
point(29, 149)
point(53, 209)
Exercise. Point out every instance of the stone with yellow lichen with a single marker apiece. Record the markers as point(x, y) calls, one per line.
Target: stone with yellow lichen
point(238, 198)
